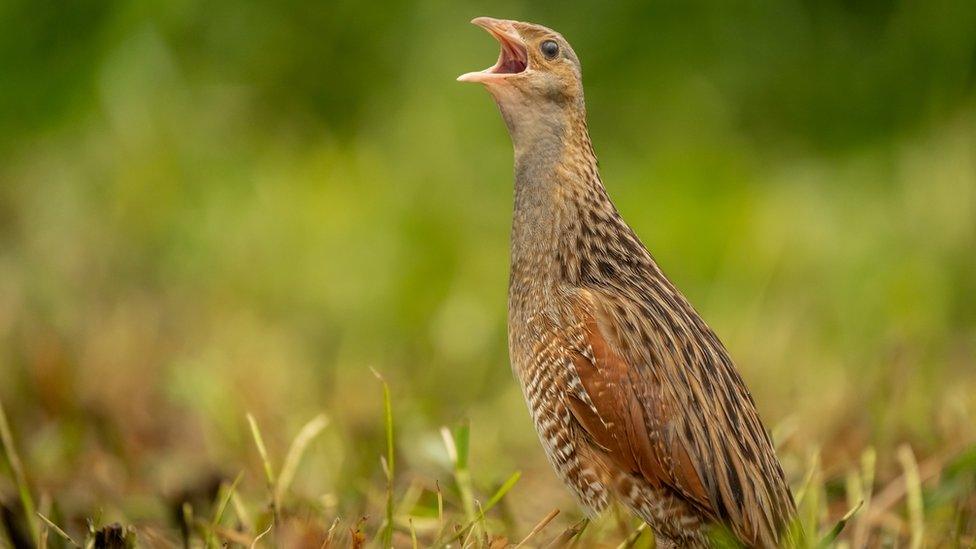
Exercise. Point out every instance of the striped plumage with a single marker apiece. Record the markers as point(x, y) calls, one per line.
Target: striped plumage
point(634, 397)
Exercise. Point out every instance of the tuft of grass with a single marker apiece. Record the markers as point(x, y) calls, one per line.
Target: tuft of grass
point(279, 485)
point(423, 517)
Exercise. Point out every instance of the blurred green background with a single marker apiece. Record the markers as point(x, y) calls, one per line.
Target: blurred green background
point(213, 208)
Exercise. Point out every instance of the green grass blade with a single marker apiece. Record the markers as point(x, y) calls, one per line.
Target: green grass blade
point(502, 490)
point(228, 493)
point(266, 463)
point(457, 445)
point(225, 494)
point(57, 529)
point(831, 536)
point(482, 526)
point(262, 450)
point(297, 449)
point(13, 459)
point(388, 462)
point(440, 511)
point(913, 492)
point(462, 439)
point(572, 535)
point(242, 514)
point(186, 513)
point(492, 501)
point(633, 537)
point(868, 464)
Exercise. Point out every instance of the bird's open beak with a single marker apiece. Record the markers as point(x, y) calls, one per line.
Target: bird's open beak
point(513, 59)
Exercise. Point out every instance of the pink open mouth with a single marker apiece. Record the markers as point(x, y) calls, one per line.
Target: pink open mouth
point(512, 59)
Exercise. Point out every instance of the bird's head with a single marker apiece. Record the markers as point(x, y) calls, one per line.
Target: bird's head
point(537, 74)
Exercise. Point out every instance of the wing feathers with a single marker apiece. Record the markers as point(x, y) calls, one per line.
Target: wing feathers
point(673, 410)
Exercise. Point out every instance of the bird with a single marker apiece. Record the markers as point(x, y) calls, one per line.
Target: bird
point(635, 399)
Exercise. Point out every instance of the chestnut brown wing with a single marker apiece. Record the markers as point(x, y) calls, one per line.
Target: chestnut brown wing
point(615, 419)
point(650, 411)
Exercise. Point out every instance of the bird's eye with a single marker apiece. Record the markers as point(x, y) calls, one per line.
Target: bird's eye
point(549, 48)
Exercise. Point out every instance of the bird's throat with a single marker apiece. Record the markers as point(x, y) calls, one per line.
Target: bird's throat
point(554, 166)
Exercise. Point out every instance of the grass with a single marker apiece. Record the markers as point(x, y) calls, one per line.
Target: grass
point(13, 461)
point(893, 514)
point(388, 462)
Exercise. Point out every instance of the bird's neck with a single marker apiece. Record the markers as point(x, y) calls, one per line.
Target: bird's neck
point(556, 180)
